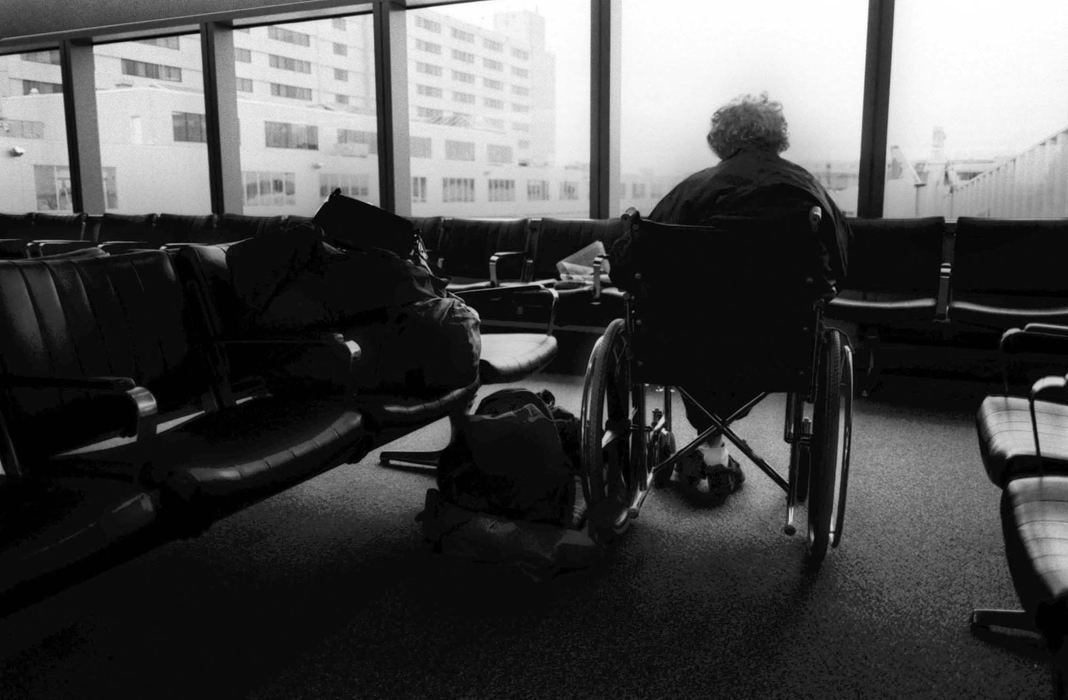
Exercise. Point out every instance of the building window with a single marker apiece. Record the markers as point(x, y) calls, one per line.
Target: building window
point(428, 91)
point(166, 42)
point(420, 146)
point(520, 126)
point(20, 129)
point(52, 186)
point(244, 84)
point(293, 92)
point(637, 189)
point(341, 49)
point(111, 189)
point(537, 190)
point(428, 24)
point(428, 68)
point(419, 190)
point(515, 107)
point(289, 36)
point(264, 189)
point(491, 64)
point(350, 184)
point(285, 135)
point(492, 123)
point(291, 64)
point(498, 154)
point(189, 126)
point(459, 150)
point(520, 54)
point(569, 190)
point(461, 77)
point(462, 35)
point(492, 45)
point(502, 190)
point(155, 71)
point(520, 90)
point(458, 189)
point(429, 115)
point(520, 72)
point(338, 23)
point(463, 56)
point(341, 74)
point(368, 138)
point(464, 97)
point(242, 55)
point(33, 87)
point(492, 84)
point(492, 103)
point(341, 99)
point(51, 57)
point(523, 145)
point(428, 46)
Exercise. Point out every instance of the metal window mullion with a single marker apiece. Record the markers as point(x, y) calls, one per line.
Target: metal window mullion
point(221, 121)
point(605, 47)
point(876, 108)
point(83, 134)
point(391, 103)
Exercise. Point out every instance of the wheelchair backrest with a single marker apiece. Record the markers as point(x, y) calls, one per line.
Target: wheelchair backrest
point(719, 304)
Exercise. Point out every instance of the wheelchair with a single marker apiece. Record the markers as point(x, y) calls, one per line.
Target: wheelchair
point(762, 332)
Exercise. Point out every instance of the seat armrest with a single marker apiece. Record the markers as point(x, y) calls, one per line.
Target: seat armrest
point(1042, 338)
point(342, 349)
point(42, 247)
point(598, 266)
point(1048, 328)
point(116, 247)
point(495, 260)
point(1052, 385)
point(942, 301)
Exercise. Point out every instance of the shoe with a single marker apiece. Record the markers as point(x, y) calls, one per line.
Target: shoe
point(724, 479)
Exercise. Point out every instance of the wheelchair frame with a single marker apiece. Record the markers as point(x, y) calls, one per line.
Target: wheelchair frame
point(622, 455)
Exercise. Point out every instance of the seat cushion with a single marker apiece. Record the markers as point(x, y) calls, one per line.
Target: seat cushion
point(509, 357)
point(1005, 317)
point(881, 312)
point(1007, 441)
point(385, 413)
point(47, 525)
point(1034, 518)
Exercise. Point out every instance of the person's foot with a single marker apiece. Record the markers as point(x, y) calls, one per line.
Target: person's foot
point(724, 479)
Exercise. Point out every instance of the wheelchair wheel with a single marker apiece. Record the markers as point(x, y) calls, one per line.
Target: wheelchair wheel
point(831, 437)
point(613, 452)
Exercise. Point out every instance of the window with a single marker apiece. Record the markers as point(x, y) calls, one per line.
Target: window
point(492, 103)
point(537, 190)
point(464, 97)
point(428, 46)
point(166, 42)
point(51, 57)
point(492, 84)
point(244, 85)
point(523, 145)
point(458, 189)
point(291, 64)
point(520, 126)
point(492, 45)
point(341, 74)
point(341, 99)
point(428, 91)
point(155, 71)
point(520, 54)
point(420, 146)
point(461, 77)
point(428, 68)
point(568, 190)
point(637, 190)
point(502, 190)
point(340, 49)
point(491, 64)
point(520, 108)
point(459, 150)
point(498, 154)
point(52, 187)
point(111, 189)
point(462, 35)
point(428, 114)
point(269, 188)
point(520, 72)
point(419, 189)
point(289, 36)
point(492, 123)
point(520, 90)
point(242, 55)
point(464, 56)
point(33, 87)
point(21, 129)
point(338, 23)
point(285, 135)
point(368, 138)
point(189, 126)
point(293, 92)
point(427, 24)
point(351, 184)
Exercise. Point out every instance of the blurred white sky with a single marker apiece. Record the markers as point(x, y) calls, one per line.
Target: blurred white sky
point(993, 74)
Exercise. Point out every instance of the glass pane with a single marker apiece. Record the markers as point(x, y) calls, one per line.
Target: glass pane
point(499, 96)
point(35, 175)
point(306, 103)
point(978, 110)
point(683, 59)
point(150, 111)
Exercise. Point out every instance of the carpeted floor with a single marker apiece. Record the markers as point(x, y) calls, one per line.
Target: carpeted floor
point(328, 591)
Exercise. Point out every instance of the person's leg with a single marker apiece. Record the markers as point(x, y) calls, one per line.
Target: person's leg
point(713, 459)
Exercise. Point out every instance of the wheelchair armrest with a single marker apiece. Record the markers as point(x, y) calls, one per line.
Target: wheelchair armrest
point(495, 261)
point(520, 295)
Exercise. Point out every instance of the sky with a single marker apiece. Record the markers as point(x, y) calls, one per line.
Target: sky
point(992, 74)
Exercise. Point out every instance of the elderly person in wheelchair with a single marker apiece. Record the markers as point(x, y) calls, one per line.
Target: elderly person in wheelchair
point(725, 284)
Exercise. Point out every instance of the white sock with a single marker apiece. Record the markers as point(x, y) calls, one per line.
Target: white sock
point(714, 452)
